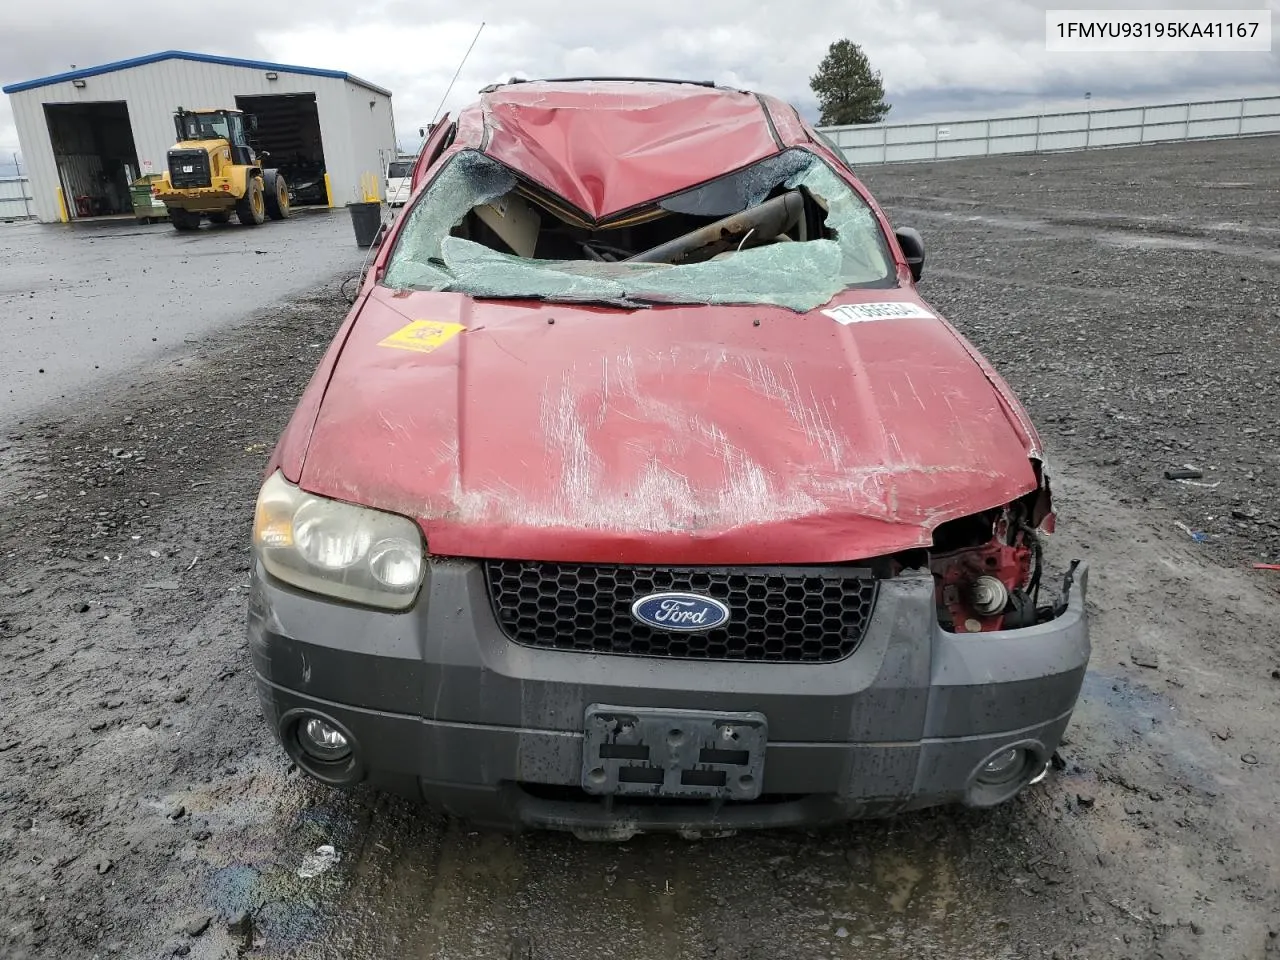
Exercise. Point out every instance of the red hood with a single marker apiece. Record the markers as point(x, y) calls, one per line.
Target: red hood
point(670, 435)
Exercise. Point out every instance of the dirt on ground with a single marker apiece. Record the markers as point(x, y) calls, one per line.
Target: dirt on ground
point(1132, 299)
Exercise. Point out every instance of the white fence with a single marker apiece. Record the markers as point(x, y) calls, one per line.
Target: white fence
point(1049, 132)
point(15, 198)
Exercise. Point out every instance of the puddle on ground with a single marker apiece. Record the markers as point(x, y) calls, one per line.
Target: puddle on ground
point(263, 825)
point(883, 888)
point(898, 878)
point(1188, 751)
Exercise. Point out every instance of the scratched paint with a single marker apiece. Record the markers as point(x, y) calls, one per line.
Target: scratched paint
point(573, 423)
point(814, 415)
point(658, 498)
point(683, 433)
point(661, 498)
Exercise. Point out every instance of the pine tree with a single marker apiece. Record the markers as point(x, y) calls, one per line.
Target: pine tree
point(848, 90)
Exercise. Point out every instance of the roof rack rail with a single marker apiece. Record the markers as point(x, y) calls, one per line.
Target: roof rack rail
point(697, 83)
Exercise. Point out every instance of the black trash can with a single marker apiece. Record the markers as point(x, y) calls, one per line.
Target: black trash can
point(366, 219)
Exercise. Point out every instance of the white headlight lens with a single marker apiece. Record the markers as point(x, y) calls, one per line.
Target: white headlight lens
point(337, 549)
point(396, 563)
point(326, 538)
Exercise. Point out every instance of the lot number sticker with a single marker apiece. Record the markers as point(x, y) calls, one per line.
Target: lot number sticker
point(848, 313)
point(423, 335)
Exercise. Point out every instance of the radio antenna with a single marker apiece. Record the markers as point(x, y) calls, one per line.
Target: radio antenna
point(449, 89)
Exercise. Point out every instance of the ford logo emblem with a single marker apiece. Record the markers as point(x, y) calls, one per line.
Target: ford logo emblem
point(681, 612)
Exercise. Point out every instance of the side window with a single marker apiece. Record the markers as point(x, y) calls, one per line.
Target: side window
point(449, 137)
point(443, 143)
point(437, 142)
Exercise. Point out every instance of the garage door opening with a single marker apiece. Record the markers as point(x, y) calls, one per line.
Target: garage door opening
point(96, 158)
point(288, 128)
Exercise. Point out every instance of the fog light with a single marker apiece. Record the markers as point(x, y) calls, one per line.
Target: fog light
point(322, 740)
point(1003, 767)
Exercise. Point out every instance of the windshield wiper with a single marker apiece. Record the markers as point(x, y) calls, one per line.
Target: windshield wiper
point(621, 302)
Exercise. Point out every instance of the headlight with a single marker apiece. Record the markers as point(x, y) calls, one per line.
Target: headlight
point(337, 549)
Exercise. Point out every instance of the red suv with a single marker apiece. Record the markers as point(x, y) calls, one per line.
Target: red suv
point(641, 490)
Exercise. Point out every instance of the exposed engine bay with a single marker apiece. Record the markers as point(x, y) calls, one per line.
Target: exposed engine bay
point(988, 568)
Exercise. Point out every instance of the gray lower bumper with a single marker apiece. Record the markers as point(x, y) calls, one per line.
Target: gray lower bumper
point(440, 703)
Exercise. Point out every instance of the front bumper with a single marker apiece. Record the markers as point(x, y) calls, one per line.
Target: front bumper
point(439, 704)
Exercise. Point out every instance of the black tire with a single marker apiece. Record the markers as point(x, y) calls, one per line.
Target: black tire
point(277, 195)
point(251, 209)
point(219, 218)
point(184, 220)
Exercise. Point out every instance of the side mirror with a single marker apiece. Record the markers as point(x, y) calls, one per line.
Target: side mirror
point(253, 121)
point(912, 245)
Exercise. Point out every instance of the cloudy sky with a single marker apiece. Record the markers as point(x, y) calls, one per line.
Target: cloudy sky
point(937, 57)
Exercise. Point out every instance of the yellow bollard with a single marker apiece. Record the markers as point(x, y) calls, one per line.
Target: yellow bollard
point(328, 189)
point(63, 216)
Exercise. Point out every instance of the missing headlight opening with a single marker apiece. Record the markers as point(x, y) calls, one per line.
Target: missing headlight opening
point(988, 568)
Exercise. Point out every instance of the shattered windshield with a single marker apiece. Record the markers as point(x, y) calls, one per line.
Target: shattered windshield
point(785, 231)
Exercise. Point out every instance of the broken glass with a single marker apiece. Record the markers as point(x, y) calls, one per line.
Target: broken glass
point(745, 188)
point(864, 256)
point(797, 274)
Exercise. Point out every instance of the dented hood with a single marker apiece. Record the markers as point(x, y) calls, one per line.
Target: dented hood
point(671, 435)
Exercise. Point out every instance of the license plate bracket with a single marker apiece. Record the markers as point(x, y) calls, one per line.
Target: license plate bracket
point(693, 754)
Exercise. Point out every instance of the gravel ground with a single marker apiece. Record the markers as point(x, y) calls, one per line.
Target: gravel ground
point(144, 811)
point(1131, 298)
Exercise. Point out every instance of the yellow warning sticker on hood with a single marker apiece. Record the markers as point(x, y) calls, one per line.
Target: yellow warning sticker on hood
point(422, 335)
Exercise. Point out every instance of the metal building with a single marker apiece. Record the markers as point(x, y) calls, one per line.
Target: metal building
point(88, 134)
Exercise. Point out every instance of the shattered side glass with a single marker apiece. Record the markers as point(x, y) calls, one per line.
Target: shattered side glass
point(865, 257)
point(800, 276)
point(469, 180)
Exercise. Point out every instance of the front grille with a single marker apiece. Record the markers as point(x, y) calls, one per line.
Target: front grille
point(197, 176)
point(790, 614)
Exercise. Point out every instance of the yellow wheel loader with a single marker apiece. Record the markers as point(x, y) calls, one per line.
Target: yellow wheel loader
point(213, 172)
